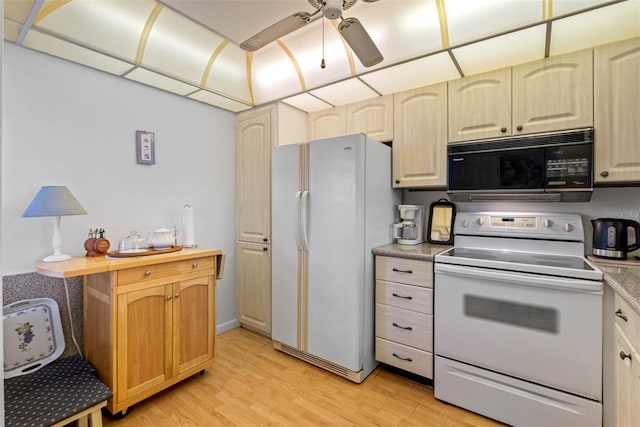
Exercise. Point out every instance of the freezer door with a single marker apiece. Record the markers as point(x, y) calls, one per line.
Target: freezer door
point(335, 237)
point(284, 237)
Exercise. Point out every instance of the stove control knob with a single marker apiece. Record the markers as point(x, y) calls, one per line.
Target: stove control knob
point(568, 227)
point(480, 221)
point(548, 223)
point(465, 224)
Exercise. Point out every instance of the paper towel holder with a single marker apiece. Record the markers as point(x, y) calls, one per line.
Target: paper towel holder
point(188, 238)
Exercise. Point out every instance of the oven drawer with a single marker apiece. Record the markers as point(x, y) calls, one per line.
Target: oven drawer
point(405, 296)
point(404, 326)
point(404, 357)
point(403, 270)
point(627, 319)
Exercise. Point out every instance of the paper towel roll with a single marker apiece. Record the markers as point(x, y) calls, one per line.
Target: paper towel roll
point(188, 229)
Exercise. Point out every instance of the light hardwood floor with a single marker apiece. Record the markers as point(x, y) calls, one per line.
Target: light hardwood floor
point(252, 384)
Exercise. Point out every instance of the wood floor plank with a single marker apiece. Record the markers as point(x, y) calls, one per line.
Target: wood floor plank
point(252, 384)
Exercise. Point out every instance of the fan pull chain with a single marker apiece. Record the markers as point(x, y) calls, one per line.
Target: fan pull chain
point(322, 64)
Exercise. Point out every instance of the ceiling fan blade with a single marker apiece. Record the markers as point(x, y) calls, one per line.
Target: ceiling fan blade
point(360, 42)
point(277, 30)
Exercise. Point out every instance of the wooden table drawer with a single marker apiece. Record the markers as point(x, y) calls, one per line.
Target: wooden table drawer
point(410, 297)
point(404, 326)
point(167, 270)
point(405, 357)
point(403, 270)
point(627, 320)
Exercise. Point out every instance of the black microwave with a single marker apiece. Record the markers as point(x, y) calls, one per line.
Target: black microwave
point(555, 166)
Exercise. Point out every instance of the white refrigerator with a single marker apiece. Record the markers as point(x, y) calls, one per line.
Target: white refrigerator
point(332, 202)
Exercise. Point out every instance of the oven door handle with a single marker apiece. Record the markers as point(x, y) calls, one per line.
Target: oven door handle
point(525, 279)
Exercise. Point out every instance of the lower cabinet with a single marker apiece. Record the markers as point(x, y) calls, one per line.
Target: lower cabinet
point(148, 327)
point(404, 314)
point(254, 286)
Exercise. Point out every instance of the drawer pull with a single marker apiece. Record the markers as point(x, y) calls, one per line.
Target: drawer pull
point(620, 315)
point(147, 273)
point(406, 359)
point(401, 296)
point(406, 328)
point(624, 356)
point(194, 265)
point(403, 271)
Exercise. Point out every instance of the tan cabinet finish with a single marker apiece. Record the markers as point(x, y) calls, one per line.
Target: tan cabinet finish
point(328, 123)
point(254, 286)
point(373, 117)
point(553, 94)
point(420, 142)
point(255, 136)
point(404, 314)
point(617, 104)
point(480, 106)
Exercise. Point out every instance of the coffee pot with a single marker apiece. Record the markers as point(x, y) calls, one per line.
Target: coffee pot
point(610, 237)
point(410, 230)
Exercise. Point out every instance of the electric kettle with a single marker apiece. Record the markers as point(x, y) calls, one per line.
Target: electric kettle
point(610, 237)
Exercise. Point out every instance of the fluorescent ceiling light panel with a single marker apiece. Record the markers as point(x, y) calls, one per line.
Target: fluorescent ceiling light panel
point(413, 74)
point(306, 102)
point(503, 51)
point(229, 73)
point(161, 82)
point(71, 52)
point(18, 10)
point(345, 92)
point(605, 25)
point(219, 101)
point(11, 30)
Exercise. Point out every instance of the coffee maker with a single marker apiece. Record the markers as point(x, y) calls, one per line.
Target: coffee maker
point(410, 230)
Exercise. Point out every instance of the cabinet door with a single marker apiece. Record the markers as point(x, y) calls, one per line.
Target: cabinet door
point(373, 117)
point(254, 286)
point(480, 106)
point(144, 340)
point(627, 382)
point(420, 143)
point(193, 323)
point(254, 139)
point(617, 103)
point(328, 123)
point(553, 94)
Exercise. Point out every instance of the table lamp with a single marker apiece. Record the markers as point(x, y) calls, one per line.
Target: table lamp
point(54, 201)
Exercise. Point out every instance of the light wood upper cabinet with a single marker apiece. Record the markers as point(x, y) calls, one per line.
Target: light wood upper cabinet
point(553, 94)
point(617, 107)
point(420, 143)
point(254, 286)
point(255, 136)
point(480, 106)
point(373, 117)
point(328, 123)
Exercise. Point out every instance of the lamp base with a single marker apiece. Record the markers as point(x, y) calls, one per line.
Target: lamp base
point(56, 258)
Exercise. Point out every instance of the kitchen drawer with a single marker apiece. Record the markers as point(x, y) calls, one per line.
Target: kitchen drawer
point(410, 297)
point(404, 326)
point(631, 326)
point(403, 270)
point(404, 357)
point(148, 273)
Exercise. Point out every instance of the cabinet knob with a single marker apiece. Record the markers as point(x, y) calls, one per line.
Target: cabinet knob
point(264, 239)
point(147, 273)
point(168, 297)
point(177, 295)
point(623, 355)
point(503, 130)
point(194, 265)
point(620, 315)
point(519, 128)
point(604, 174)
point(265, 249)
point(397, 181)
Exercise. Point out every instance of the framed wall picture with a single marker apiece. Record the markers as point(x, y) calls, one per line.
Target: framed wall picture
point(145, 147)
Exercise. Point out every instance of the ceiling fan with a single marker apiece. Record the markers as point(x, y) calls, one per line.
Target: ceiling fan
point(351, 29)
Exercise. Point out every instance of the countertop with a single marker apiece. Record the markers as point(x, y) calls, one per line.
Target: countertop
point(423, 252)
point(623, 277)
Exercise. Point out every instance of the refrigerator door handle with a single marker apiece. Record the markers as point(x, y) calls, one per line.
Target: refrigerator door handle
point(304, 229)
point(298, 212)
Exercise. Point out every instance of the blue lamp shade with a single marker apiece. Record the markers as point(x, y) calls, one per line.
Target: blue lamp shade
point(54, 201)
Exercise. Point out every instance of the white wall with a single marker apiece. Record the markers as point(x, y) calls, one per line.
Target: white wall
point(66, 124)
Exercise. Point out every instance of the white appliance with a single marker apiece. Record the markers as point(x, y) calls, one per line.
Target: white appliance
point(332, 202)
point(410, 230)
point(518, 320)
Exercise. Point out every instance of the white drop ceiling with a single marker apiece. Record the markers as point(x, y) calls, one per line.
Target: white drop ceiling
point(191, 47)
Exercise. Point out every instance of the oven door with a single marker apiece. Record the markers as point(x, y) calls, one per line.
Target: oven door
point(542, 329)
